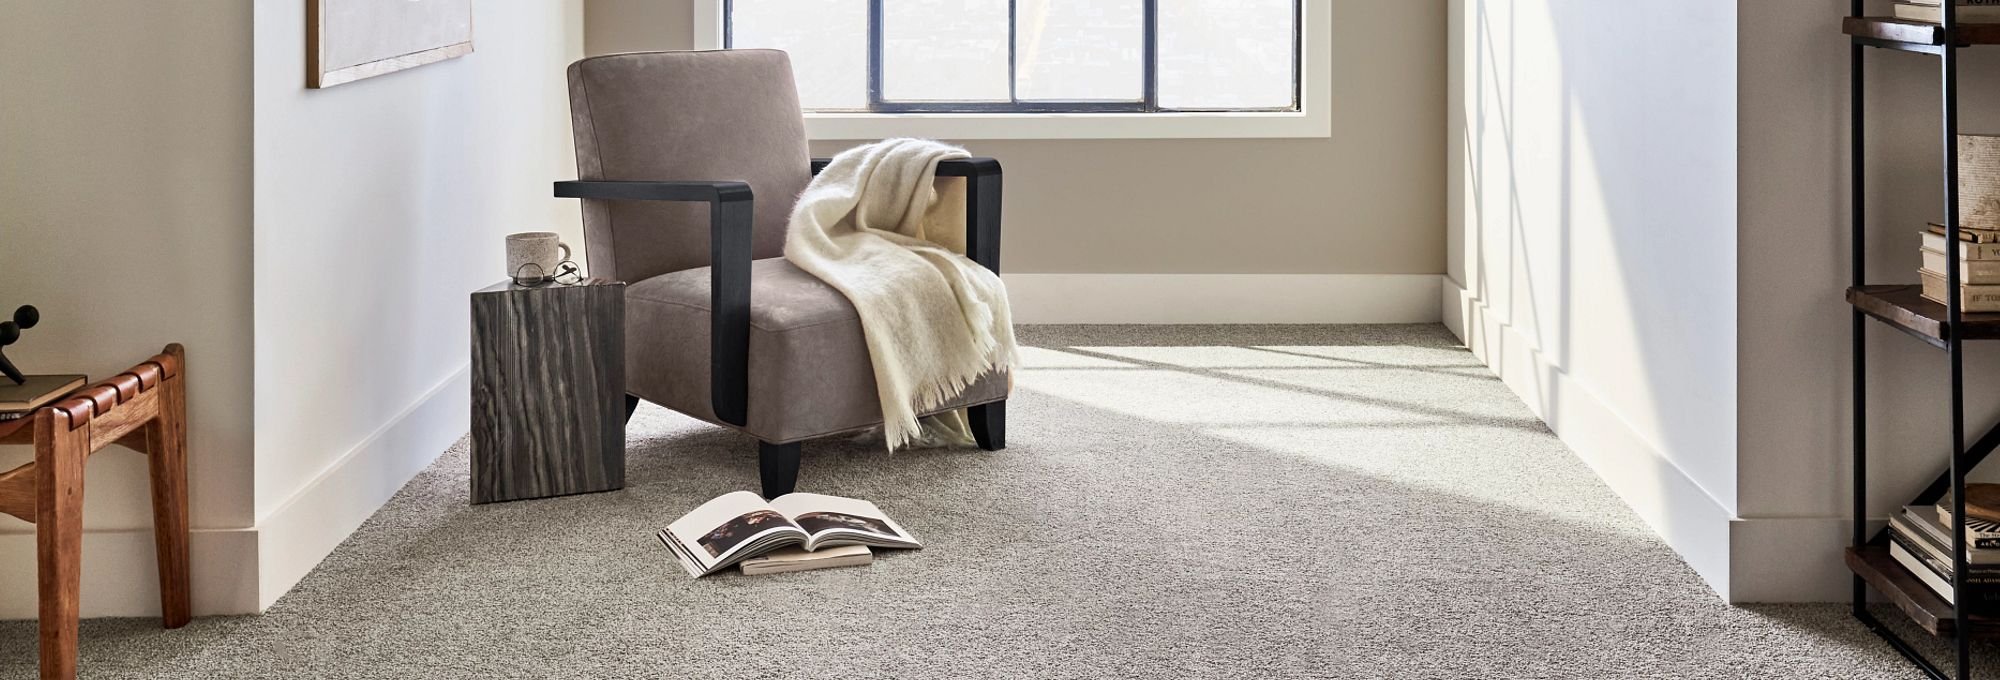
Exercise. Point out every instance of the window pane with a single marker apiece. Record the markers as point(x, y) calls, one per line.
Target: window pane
point(828, 42)
point(1226, 54)
point(1080, 50)
point(944, 50)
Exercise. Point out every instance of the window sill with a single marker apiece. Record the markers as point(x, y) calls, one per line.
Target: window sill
point(977, 126)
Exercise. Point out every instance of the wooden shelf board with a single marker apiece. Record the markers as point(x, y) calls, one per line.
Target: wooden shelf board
point(1908, 32)
point(1930, 612)
point(1904, 307)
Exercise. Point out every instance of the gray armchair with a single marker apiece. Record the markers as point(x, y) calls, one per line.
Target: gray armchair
point(671, 148)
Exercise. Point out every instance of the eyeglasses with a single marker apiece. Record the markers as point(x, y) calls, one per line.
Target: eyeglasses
point(530, 275)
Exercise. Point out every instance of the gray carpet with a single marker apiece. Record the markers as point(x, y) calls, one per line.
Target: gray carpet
point(1281, 502)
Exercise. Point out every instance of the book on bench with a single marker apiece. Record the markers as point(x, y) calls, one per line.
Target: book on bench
point(742, 525)
point(17, 401)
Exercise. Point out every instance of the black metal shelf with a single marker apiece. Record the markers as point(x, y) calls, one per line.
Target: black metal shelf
point(1945, 326)
point(1925, 609)
point(1916, 36)
point(1905, 308)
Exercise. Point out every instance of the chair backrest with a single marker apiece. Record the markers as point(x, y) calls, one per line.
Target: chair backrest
point(667, 116)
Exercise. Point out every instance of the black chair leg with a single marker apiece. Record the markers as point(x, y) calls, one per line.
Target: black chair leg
point(631, 405)
point(778, 465)
point(989, 425)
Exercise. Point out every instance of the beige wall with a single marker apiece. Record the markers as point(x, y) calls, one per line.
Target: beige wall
point(1369, 200)
point(612, 26)
point(125, 216)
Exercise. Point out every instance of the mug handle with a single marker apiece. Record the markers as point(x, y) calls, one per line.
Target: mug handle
point(565, 249)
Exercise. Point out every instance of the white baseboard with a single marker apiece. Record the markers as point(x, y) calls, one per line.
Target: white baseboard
point(1223, 298)
point(1691, 520)
point(1453, 303)
point(304, 529)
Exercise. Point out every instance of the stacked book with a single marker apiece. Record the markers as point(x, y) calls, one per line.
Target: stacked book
point(1920, 540)
point(1978, 267)
point(1978, 247)
point(1969, 11)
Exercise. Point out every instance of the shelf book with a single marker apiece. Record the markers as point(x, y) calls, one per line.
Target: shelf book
point(1974, 272)
point(1969, 11)
point(1973, 298)
point(1965, 235)
point(1973, 244)
point(1920, 540)
point(1978, 271)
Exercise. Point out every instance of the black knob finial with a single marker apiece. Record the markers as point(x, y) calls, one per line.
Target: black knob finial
point(10, 332)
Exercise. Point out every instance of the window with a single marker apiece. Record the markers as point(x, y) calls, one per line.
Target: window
point(973, 69)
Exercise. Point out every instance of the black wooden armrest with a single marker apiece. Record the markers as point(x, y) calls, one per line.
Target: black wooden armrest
point(729, 223)
point(654, 191)
point(977, 166)
point(982, 204)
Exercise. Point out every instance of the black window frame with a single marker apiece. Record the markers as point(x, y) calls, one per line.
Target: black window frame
point(1149, 103)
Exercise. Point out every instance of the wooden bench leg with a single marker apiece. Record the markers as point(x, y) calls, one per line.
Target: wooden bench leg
point(59, 456)
point(166, 449)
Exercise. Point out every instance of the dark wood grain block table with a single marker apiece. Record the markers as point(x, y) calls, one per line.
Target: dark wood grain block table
point(548, 390)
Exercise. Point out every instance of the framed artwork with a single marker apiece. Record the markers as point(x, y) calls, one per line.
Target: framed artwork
point(347, 40)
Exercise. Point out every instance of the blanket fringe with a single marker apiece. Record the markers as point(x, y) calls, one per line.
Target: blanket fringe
point(935, 393)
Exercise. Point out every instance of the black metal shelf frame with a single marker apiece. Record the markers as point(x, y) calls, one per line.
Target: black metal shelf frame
point(1962, 458)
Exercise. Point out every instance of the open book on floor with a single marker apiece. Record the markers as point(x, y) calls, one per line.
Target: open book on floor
point(741, 525)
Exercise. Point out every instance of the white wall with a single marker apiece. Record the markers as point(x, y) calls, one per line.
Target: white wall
point(125, 215)
point(1592, 239)
point(380, 205)
point(1794, 323)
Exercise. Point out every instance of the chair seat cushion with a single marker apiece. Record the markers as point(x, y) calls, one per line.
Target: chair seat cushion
point(809, 370)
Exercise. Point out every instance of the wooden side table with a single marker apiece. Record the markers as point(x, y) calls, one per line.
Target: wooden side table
point(548, 390)
point(144, 408)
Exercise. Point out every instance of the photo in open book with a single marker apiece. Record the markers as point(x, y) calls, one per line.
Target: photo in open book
point(739, 529)
point(815, 522)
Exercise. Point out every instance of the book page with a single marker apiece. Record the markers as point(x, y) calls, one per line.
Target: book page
point(833, 520)
point(720, 531)
point(796, 559)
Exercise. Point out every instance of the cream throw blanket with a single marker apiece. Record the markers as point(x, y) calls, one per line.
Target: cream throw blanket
point(881, 227)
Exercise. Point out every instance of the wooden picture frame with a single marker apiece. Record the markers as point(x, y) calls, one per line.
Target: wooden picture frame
point(348, 40)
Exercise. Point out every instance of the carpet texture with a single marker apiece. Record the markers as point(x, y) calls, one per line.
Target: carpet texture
point(1239, 502)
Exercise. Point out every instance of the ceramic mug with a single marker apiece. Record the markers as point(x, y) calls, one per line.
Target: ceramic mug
point(533, 255)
